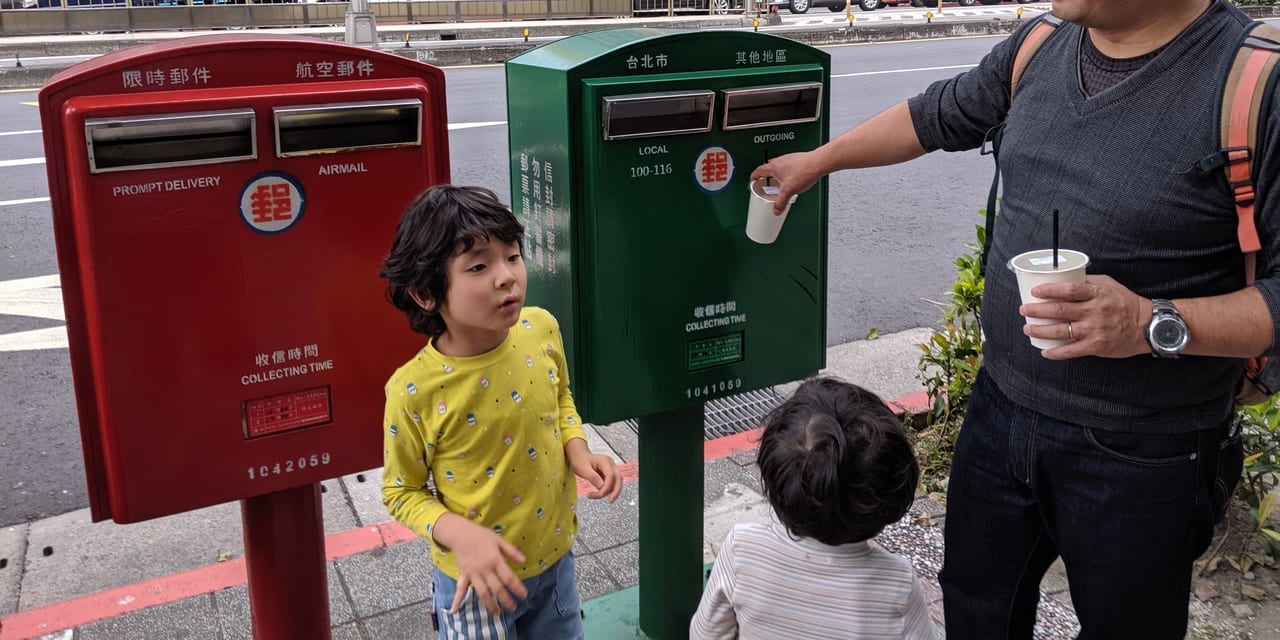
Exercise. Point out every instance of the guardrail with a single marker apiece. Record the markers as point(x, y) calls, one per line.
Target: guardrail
point(133, 16)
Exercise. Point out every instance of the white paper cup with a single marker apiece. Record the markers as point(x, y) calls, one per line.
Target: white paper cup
point(763, 224)
point(1035, 268)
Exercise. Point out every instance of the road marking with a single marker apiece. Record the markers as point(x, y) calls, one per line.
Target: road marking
point(34, 340)
point(472, 125)
point(886, 72)
point(21, 161)
point(32, 104)
point(889, 71)
point(8, 203)
point(38, 297)
point(19, 133)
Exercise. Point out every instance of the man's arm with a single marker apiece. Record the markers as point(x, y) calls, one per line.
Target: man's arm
point(1233, 325)
point(887, 138)
point(1109, 320)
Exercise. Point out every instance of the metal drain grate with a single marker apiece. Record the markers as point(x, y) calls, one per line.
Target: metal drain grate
point(733, 414)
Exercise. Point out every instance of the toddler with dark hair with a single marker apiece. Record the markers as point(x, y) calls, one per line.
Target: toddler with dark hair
point(837, 468)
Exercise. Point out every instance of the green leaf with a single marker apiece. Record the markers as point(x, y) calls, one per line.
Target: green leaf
point(1271, 534)
point(1264, 509)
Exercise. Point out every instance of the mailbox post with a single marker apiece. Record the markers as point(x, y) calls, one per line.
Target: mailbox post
point(630, 156)
point(221, 206)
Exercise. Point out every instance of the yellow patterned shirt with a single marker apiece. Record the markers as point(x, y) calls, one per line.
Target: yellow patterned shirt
point(489, 432)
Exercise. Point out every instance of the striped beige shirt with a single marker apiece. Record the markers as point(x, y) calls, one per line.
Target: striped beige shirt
point(767, 585)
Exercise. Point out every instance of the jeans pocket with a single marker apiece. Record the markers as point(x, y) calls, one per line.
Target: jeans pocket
point(1230, 466)
point(1160, 450)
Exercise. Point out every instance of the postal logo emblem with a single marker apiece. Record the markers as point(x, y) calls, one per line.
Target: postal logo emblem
point(713, 169)
point(272, 202)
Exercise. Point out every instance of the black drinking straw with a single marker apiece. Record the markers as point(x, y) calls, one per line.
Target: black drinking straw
point(1055, 239)
point(768, 181)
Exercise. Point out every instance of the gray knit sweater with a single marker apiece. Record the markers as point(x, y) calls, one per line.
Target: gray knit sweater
point(1119, 167)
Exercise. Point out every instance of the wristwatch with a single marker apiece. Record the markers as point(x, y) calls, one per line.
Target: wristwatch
point(1166, 332)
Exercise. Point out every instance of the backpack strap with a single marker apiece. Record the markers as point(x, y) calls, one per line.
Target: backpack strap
point(1246, 92)
point(1027, 49)
point(1045, 26)
point(1245, 89)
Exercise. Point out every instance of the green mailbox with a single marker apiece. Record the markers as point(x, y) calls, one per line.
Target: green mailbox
point(631, 152)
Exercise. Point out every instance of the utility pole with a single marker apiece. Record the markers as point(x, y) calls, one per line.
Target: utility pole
point(361, 30)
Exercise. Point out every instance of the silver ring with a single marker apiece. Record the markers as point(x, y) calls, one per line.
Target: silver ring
point(1071, 332)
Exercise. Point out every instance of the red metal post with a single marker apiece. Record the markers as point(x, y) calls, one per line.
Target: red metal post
point(284, 554)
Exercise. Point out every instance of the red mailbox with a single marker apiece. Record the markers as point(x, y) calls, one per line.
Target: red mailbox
point(221, 207)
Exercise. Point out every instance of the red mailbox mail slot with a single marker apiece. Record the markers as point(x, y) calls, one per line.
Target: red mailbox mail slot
point(221, 207)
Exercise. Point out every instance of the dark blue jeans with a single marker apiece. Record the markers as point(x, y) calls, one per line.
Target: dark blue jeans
point(1128, 514)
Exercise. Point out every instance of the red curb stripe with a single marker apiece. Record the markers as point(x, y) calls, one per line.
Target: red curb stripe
point(112, 603)
point(122, 600)
point(917, 402)
point(351, 542)
point(729, 445)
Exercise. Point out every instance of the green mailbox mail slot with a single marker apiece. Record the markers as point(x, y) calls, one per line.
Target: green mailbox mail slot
point(631, 152)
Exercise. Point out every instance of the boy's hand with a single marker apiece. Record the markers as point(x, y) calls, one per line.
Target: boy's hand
point(482, 564)
point(596, 468)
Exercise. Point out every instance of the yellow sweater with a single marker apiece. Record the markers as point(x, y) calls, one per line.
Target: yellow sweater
point(489, 430)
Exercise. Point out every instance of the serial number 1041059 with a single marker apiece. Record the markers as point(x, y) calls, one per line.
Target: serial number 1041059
point(288, 466)
point(714, 388)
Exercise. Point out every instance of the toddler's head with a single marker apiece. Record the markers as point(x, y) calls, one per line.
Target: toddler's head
point(442, 222)
point(836, 463)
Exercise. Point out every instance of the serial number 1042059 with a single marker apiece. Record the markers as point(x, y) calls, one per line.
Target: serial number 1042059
point(288, 466)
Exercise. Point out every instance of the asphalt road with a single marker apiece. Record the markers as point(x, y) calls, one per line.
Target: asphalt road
point(894, 235)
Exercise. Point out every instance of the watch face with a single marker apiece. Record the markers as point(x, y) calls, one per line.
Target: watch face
point(1168, 333)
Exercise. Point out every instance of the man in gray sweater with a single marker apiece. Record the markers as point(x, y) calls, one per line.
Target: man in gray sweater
point(1096, 451)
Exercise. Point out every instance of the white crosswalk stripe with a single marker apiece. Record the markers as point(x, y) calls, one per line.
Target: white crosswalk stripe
point(38, 297)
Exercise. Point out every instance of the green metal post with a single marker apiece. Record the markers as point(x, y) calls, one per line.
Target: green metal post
point(670, 521)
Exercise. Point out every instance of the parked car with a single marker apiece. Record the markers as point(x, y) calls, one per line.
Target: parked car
point(803, 6)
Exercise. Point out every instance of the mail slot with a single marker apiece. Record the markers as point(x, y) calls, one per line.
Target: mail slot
point(755, 107)
point(343, 127)
point(657, 114)
point(221, 208)
point(171, 140)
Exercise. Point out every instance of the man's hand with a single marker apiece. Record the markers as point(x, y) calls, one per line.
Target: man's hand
point(793, 173)
point(1105, 318)
point(596, 468)
point(482, 563)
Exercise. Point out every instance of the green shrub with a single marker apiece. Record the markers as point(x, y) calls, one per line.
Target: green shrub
point(948, 367)
point(1260, 433)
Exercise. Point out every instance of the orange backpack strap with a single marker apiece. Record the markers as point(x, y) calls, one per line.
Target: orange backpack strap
point(1030, 44)
point(1246, 87)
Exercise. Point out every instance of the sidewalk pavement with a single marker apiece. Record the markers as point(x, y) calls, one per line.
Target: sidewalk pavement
point(183, 576)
